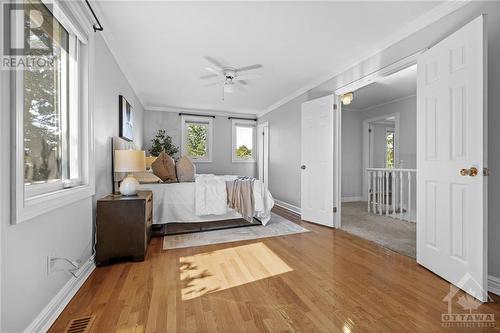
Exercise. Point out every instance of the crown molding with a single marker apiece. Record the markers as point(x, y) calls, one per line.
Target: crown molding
point(222, 113)
point(399, 99)
point(411, 28)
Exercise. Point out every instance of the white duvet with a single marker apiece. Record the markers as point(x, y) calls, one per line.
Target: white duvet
point(203, 200)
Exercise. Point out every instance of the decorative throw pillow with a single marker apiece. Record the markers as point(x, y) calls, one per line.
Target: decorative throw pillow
point(164, 168)
point(185, 169)
point(146, 177)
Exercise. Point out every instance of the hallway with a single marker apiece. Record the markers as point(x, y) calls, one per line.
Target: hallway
point(397, 235)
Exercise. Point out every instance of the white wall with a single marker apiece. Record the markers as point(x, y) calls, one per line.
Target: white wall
point(110, 83)
point(68, 231)
point(378, 145)
point(221, 159)
point(352, 150)
point(407, 108)
point(289, 113)
point(284, 151)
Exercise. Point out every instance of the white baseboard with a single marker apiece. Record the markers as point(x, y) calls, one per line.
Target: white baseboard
point(494, 285)
point(351, 199)
point(288, 206)
point(49, 314)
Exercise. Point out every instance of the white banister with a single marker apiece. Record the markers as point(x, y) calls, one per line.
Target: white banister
point(386, 192)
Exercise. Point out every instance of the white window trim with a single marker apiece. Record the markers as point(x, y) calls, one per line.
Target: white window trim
point(247, 123)
point(208, 120)
point(25, 208)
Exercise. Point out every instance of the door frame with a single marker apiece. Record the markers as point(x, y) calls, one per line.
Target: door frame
point(395, 67)
point(262, 156)
point(367, 149)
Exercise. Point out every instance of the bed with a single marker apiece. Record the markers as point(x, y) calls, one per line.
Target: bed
point(176, 202)
point(180, 203)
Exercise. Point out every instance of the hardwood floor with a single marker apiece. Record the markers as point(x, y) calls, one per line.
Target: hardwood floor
point(324, 281)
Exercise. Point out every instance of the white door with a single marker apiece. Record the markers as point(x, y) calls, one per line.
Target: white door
point(263, 151)
point(317, 199)
point(451, 136)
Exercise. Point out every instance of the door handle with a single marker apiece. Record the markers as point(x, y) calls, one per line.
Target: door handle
point(303, 167)
point(472, 172)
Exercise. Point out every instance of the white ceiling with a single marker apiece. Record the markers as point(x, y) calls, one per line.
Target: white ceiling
point(161, 45)
point(398, 85)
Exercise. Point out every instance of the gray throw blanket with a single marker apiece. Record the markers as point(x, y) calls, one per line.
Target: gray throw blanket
point(240, 196)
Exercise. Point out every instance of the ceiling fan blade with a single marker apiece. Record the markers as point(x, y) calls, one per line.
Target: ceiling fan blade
point(214, 62)
point(243, 82)
point(214, 71)
point(248, 68)
point(208, 76)
point(240, 87)
point(248, 76)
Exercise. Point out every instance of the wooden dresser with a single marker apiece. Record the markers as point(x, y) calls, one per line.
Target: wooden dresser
point(123, 227)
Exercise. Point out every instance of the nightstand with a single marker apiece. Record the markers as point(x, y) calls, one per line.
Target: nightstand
point(123, 227)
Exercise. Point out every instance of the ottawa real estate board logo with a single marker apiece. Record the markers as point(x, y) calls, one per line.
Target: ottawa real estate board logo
point(464, 309)
point(27, 30)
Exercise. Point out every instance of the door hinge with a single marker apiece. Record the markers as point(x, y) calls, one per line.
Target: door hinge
point(369, 130)
point(334, 107)
point(334, 209)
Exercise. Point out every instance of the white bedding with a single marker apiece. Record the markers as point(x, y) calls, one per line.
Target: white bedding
point(179, 202)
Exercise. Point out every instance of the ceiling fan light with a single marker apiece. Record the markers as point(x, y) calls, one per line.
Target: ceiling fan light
point(228, 87)
point(347, 98)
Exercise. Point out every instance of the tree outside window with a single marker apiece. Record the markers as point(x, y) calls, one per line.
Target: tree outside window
point(197, 138)
point(389, 149)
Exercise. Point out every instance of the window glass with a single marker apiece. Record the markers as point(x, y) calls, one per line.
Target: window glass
point(45, 102)
point(389, 149)
point(197, 140)
point(244, 142)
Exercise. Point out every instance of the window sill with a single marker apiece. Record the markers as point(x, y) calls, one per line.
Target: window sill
point(244, 161)
point(202, 161)
point(44, 203)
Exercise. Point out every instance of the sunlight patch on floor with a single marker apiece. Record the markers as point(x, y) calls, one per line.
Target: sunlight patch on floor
point(223, 269)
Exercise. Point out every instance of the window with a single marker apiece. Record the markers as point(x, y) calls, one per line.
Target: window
point(197, 138)
point(389, 148)
point(243, 141)
point(52, 127)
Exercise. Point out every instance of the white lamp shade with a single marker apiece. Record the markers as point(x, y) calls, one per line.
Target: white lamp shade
point(130, 160)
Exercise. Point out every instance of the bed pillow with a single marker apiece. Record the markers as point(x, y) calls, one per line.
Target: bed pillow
point(164, 168)
point(185, 169)
point(146, 177)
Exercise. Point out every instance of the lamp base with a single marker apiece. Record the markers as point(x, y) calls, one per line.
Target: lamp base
point(129, 186)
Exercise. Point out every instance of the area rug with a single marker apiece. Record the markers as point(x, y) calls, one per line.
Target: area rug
point(277, 226)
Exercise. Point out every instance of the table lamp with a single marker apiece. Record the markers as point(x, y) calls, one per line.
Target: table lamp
point(149, 161)
point(129, 161)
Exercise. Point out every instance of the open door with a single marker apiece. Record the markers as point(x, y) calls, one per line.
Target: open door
point(317, 169)
point(451, 155)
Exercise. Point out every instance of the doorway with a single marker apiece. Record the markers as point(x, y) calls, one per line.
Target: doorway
point(377, 200)
point(451, 139)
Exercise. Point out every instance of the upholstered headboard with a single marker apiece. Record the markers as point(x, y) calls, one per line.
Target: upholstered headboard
point(118, 143)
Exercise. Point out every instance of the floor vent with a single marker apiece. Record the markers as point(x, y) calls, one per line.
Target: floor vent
point(80, 325)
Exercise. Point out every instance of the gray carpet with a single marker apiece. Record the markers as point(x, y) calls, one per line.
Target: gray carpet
point(397, 235)
point(277, 226)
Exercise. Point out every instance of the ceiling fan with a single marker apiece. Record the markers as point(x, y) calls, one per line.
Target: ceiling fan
point(229, 77)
